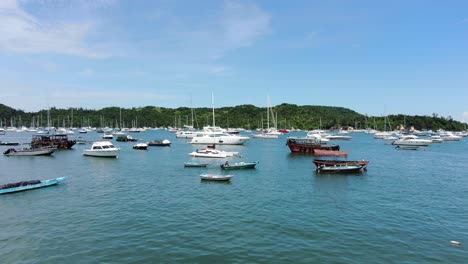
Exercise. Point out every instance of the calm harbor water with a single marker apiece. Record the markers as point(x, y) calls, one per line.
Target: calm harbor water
point(146, 207)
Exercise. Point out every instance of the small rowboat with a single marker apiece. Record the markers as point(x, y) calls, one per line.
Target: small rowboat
point(195, 165)
point(239, 165)
point(213, 177)
point(28, 185)
point(340, 169)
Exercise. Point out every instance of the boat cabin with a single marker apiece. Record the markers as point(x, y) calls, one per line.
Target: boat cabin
point(59, 141)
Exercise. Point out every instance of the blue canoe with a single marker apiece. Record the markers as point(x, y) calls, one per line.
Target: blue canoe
point(28, 185)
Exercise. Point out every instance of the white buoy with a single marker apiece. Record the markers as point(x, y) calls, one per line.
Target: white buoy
point(455, 243)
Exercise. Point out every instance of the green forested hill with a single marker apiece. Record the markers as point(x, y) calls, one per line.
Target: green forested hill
point(247, 116)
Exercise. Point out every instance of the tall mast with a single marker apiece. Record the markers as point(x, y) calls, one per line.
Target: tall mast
point(212, 103)
point(191, 104)
point(268, 112)
point(120, 117)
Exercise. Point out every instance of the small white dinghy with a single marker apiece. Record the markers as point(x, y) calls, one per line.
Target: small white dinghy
point(214, 177)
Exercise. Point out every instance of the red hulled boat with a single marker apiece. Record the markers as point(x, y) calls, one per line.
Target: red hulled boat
point(307, 145)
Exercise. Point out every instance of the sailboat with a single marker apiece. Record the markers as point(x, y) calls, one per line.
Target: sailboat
point(271, 133)
point(214, 135)
point(188, 131)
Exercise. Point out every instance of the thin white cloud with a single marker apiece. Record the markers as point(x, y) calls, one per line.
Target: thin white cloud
point(243, 23)
point(21, 32)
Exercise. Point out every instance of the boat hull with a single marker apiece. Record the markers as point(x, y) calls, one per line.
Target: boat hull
point(208, 155)
point(101, 153)
point(33, 152)
point(210, 177)
point(195, 165)
point(239, 166)
point(322, 162)
point(339, 169)
point(152, 144)
point(41, 184)
point(306, 147)
point(234, 140)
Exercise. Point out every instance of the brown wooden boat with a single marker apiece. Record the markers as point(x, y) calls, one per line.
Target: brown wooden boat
point(330, 153)
point(324, 162)
point(307, 145)
point(58, 141)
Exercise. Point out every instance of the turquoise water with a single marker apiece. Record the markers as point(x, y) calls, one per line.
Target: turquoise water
point(146, 207)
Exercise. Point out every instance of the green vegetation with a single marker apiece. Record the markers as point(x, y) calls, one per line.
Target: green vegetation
point(246, 116)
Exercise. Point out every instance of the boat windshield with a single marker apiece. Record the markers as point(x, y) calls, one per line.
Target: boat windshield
point(97, 147)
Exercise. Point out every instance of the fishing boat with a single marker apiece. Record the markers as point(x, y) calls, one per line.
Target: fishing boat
point(307, 145)
point(28, 185)
point(59, 141)
point(102, 149)
point(325, 162)
point(160, 143)
point(213, 177)
point(142, 146)
point(339, 169)
point(239, 165)
point(29, 152)
point(195, 165)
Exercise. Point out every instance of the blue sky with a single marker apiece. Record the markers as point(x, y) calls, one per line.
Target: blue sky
point(408, 57)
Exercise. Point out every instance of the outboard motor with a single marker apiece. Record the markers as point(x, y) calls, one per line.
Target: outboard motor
point(7, 151)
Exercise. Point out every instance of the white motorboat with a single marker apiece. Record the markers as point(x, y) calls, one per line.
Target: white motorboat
point(186, 134)
point(449, 136)
point(216, 135)
point(29, 152)
point(108, 136)
point(102, 149)
point(338, 137)
point(210, 154)
point(219, 139)
point(381, 135)
point(318, 137)
point(141, 146)
point(212, 150)
point(265, 135)
point(411, 140)
point(436, 139)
